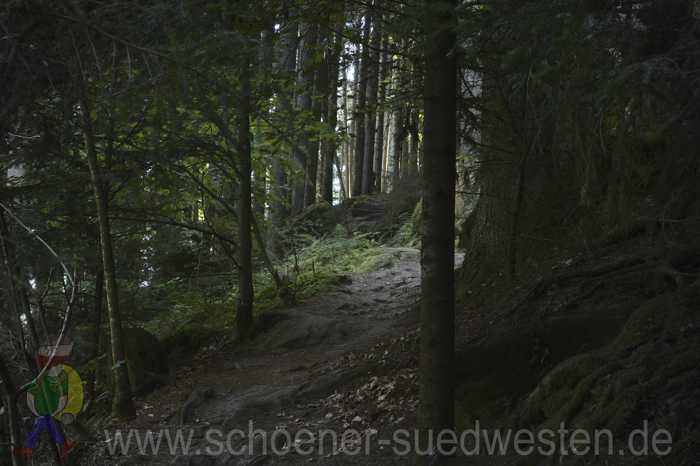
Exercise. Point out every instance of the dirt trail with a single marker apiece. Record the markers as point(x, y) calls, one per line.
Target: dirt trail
point(299, 359)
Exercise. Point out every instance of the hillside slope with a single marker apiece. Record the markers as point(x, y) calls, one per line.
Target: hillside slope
point(608, 341)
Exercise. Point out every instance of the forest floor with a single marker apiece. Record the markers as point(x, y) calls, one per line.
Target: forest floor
point(343, 361)
point(603, 340)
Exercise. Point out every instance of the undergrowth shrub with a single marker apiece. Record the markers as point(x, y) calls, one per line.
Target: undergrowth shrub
point(188, 316)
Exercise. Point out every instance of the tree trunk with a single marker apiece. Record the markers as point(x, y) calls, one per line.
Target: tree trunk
point(308, 148)
point(319, 75)
point(371, 116)
point(347, 123)
point(399, 136)
point(280, 194)
point(122, 403)
point(488, 232)
point(18, 292)
point(414, 144)
point(260, 174)
point(438, 215)
point(260, 187)
point(323, 175)
point(244, 311)
point(13, 416)
point(279, 205)
point(303, 104)
point(361, 74)
point(385, 72)
point(330, 146)
point(91, 380)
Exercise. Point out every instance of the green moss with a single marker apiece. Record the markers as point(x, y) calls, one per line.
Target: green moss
point(408, 233)
point(320, 265)
point(190, 316)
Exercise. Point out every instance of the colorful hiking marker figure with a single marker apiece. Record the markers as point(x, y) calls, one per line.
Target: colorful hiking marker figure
point(56, 398)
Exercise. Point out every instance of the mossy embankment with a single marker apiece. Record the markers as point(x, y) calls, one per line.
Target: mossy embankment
point(609, 339)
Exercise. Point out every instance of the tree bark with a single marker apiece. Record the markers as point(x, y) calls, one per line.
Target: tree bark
point(308, 148)
point(385, 72)
point(348, 127)
point(438, 215)
point(260, 174)
point(303, 104)
point(13, 416)
point(320, 84)
point(122, 403)
point(398, 156)
point(244, 311)
point(371, 76)
point(330, 145)
point(414, 144)
point(280, 194)
point(323, 175)
point(320, 79)
point(91, 379)
point(279, 205)
point(361, 74)
point(18, 292)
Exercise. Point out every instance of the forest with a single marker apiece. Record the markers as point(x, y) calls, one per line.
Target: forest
point(350, 232)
